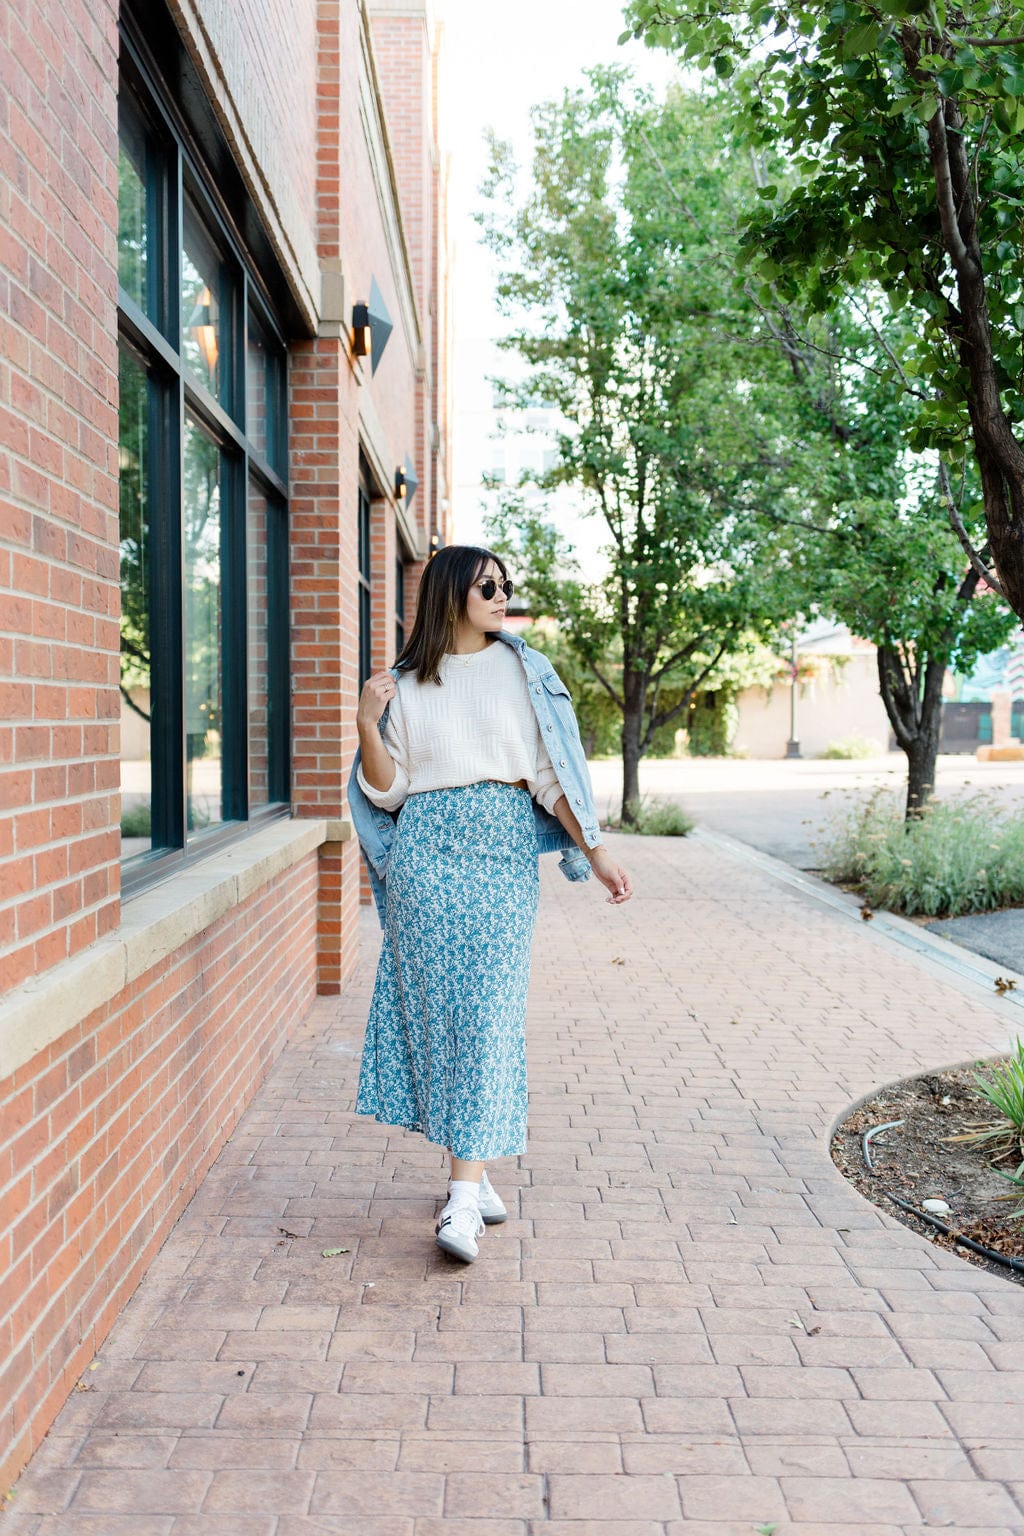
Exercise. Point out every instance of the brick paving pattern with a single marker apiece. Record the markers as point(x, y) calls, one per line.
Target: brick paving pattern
point(689, 1323)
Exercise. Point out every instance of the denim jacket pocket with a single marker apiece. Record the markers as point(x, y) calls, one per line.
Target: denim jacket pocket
point(553, 683)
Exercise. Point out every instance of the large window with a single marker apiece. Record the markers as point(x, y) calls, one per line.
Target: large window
point(203, 505)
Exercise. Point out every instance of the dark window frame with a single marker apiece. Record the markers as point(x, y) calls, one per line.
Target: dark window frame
point(153, 340)
point(400, 594)
point(364, 578)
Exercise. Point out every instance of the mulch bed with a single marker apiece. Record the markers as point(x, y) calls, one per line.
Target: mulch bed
point(916, 1162)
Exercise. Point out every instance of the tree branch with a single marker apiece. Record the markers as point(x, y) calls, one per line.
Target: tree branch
point(677, 656)
point(606, 685)
point(959, 254)
point(956, 522)
point(132, 704)
point(657, 721)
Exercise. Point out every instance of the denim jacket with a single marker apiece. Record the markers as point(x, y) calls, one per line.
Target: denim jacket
point(375, 828)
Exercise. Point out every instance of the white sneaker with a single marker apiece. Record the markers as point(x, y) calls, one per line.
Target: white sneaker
point(458, 1230)
point(492, 1207)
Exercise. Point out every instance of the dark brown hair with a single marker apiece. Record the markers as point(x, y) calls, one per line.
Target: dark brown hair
point(441, 607)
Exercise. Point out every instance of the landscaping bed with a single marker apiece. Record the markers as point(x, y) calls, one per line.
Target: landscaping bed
point(916, 1162)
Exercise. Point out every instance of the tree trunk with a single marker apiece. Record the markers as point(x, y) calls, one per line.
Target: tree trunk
point(915, 714)
point(921, 768)
point(998, 454)
point(632, 723)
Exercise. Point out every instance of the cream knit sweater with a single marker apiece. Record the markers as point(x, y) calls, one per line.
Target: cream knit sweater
point(478, 725)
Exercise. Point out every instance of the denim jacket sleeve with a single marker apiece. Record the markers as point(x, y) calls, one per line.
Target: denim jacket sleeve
point(560, 733)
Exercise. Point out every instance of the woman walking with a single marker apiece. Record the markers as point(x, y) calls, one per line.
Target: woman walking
point(469, 765)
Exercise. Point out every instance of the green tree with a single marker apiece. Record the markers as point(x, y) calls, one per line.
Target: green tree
point(868, 545)
point(902, 125)
point(629, 325)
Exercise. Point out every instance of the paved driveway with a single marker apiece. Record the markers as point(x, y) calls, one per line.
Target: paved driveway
point(689, 1324)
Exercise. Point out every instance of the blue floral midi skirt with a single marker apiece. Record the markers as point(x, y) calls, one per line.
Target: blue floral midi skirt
point(445, 1047)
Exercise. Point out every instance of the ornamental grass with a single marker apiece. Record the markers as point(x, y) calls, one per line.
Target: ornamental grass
point(962, 854)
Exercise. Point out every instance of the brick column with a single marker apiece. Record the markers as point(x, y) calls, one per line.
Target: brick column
point(59, 535)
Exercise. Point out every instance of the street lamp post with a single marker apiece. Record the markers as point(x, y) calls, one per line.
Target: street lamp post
point(793, 744)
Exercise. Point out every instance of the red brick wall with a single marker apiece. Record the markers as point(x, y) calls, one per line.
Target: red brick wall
point(105, 1136)
point(324, 451)
point(324, 630)
point(59, 575)
point(407, 63)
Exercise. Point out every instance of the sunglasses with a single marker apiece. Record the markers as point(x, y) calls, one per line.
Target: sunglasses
point(488, 587)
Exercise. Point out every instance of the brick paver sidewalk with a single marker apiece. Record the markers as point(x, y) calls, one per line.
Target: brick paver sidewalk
point(690, 1323)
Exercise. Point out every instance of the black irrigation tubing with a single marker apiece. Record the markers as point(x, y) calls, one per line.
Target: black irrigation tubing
point(933, 1221)
point(967, 1242)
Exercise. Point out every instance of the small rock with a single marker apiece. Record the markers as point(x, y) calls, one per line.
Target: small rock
point(937, 1207)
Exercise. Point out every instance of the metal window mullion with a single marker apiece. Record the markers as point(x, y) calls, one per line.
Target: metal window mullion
point(261, 472)
point(213, 415)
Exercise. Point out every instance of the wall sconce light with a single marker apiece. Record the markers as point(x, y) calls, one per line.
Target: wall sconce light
point(362, 334)
point(203, 324)
point(371, 327)
point(406, 483)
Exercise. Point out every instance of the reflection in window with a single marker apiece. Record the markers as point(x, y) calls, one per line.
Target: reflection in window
point(258, 644)
point(264, 394)
point(202, 338)
point(132, 221)
point(136, 678)
point(201, 486)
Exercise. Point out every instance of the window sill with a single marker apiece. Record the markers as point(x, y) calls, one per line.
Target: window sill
point(155, 923)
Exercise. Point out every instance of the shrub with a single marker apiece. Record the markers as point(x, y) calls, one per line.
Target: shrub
point(964, 854)
point(136, 821)
point(711, 723)
point(851, 747)
point(658, 818)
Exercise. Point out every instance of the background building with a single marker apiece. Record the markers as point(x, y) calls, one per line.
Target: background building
point(214, 513)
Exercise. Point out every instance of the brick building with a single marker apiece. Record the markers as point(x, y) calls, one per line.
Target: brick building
point(221, 476)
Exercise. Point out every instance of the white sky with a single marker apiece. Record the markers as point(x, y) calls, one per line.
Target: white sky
point(498, 61)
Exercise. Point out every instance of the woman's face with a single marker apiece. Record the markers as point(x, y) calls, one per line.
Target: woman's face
point(486, 614)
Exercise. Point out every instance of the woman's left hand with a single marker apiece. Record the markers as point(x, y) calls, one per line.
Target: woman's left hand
point(611, 875)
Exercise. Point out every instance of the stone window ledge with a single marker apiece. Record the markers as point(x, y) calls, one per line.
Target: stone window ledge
point(154, 924)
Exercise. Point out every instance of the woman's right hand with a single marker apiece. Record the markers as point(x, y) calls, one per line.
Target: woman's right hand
point(378, 692)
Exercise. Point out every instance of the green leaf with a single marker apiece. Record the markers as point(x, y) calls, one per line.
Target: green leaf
point(332, 1253)
point(861, 40)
